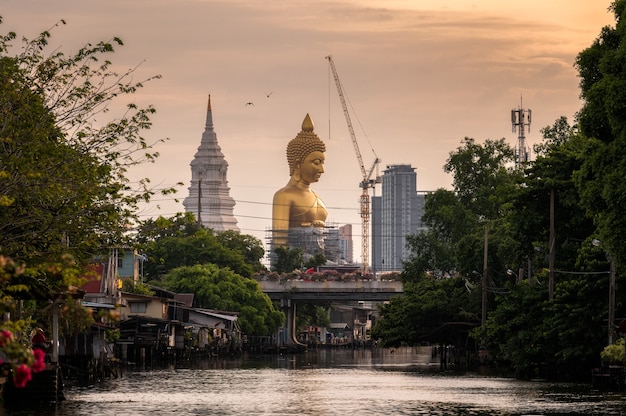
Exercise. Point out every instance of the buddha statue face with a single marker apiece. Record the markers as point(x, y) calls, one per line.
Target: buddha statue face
point(311, 168)
point(305, 154)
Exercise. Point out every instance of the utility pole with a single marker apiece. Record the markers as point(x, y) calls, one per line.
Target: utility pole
point(598, 243)
point(199, 219)
point(551, 252)
point(611, 297)
point(484, 277)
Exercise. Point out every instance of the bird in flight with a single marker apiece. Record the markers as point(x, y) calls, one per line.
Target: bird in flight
point(270, 93)
point(250, 103)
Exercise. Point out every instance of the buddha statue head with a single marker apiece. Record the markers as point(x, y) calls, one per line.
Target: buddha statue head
point(302, 145)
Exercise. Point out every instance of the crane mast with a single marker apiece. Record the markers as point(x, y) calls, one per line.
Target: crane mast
point(367, 181)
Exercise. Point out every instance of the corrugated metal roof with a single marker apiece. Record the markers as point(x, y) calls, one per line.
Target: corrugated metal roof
point(217, 315)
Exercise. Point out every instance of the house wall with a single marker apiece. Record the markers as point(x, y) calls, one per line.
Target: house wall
point(128, 264)
point(155, 308)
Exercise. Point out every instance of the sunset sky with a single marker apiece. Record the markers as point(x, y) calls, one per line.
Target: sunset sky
point(420, 75)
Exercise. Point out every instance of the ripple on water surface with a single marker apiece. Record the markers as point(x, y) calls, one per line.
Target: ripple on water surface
point(329, 391)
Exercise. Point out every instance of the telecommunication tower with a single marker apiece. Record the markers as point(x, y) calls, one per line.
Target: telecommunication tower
point(520, 118)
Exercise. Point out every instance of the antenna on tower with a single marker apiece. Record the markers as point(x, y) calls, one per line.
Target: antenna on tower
point(520, 118)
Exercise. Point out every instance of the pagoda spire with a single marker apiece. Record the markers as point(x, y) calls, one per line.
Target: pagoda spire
point(209, 115)
point(209, 197)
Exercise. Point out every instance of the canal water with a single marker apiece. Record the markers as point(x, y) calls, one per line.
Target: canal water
point(326, 382)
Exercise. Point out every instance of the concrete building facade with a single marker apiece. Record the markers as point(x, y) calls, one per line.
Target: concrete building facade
point(396, 214)
point(345, 243)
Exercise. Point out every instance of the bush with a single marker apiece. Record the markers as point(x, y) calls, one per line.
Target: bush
point(613, 354)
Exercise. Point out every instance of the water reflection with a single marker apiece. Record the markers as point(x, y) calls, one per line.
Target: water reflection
point(327, 382)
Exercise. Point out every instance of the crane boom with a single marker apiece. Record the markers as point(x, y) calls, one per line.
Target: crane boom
point(347, 115)
point(367, 182)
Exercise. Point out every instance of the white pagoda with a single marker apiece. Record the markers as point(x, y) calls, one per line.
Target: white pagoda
point(209, 198)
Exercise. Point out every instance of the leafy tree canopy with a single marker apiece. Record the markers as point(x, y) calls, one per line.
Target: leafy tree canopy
point(63, 173)
point(602, 69)
point(179, 241)
point(64, 190)
point(222, 289)
point(286, 259)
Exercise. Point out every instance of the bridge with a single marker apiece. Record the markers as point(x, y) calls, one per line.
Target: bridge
point(330, 290)
point(291, 292)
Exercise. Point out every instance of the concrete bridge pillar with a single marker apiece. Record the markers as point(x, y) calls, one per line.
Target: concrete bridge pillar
point(288, 306)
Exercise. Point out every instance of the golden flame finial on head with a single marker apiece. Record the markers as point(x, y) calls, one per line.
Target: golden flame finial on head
point(307, 123)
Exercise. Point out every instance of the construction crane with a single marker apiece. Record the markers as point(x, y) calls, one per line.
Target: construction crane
point(367, 182)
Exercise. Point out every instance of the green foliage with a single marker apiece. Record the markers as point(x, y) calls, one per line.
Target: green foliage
point(64, 190)
point(535, 337)
point(111, 335)
point(315, 261)
point(180, 225)
point(248, 245)
point(614, 353)
point(222, 289)
point(309, 314)
point(178, 241)
point(513, 332)
point(559, 158)
point(447, 217)
point(602, 69)
point(430, 310)
point(286, 260)
point(483, 179)
point(128, 285)
point(73, 317)
point(63, 183)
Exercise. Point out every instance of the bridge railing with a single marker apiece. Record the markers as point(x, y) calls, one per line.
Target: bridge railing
point(332, 290)
point(331, 286)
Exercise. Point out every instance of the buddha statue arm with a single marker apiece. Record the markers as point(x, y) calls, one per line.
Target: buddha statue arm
point(280, 219)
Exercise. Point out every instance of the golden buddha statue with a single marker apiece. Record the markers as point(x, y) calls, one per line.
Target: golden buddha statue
point(297, 210)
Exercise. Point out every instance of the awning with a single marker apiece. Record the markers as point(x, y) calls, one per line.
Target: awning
point(97, 305)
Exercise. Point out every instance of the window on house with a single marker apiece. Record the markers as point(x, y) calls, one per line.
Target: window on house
point(138, 307)
point(120, 262)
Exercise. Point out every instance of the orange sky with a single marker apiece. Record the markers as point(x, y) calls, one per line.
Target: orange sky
point(420, 76)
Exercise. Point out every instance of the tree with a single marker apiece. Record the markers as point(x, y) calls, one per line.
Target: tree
point(602, 70)
point(513, 332)
point(559, 157)
point(63, 183)
point(287, 259)
point(222, 289)
point(561, 337)
point(482, 179)
point(180, 225)
point(441, 279)
point(310, 314)
point(315, 261)
point(430, 310)
point(179, 241)
point(64, 190)
point(485, 186)
point(248, 245)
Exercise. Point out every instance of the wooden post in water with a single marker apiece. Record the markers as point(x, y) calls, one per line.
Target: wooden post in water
point(55, 332)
